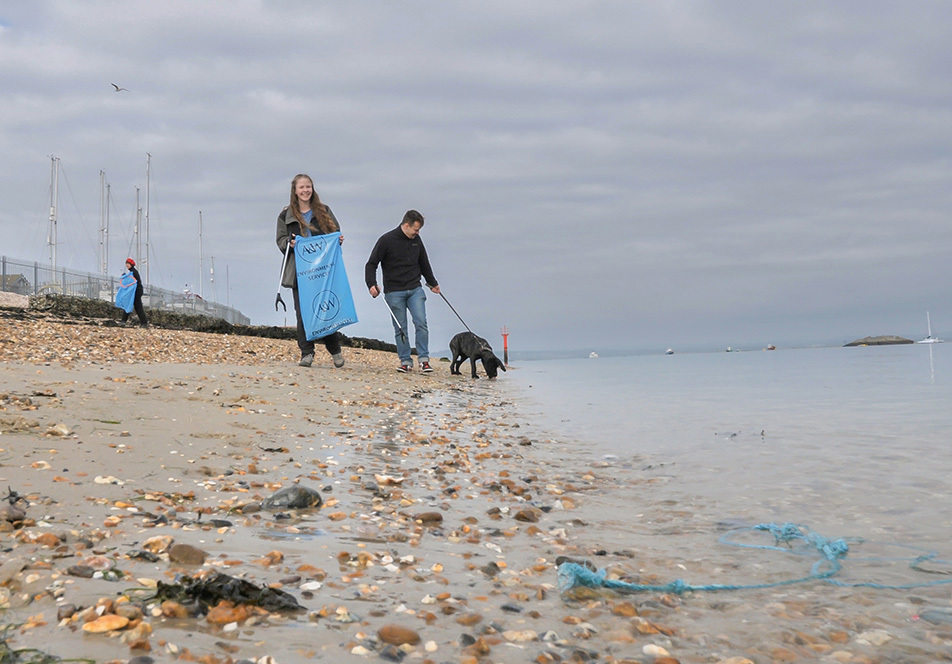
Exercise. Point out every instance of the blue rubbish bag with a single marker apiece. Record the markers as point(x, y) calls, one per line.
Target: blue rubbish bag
point(326, 301)
point(126, 293)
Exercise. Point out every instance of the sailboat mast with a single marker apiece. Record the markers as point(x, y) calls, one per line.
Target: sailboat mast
point(201, 252)
point(54, 198)
point(106, 253)
point(138, 223)
point(148, 188)
point(103, 265)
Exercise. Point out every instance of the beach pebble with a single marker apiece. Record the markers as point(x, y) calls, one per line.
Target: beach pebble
point(520, 636)
point(186, 554)
point(654, 651)
point(295, 497)
point(81, 571)
point(429, 517)
point(225, 612)
point(528, 515)
point(874, 637)
point(392, 654)
point(12, 513)
point(64, 611)
point(937, 616)
point(398, 635)
point(106, 623)
point(157, 544)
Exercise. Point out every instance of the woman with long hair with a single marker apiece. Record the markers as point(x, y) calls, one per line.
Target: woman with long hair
point(305, 216)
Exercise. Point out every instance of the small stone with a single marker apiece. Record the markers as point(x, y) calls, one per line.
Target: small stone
point(520, 636)
point(429, 517)
point(654, 651)
point(186, 554)
point(82, 571)
point(130, 611)
point(171, 609)
point(528, 515)
point(626, 609)
point(392, 654)
point(47, 539)
point(398, 635)
point(106, 623)
point(141, 659)
point(157, 544)
point(65, 611)
point(490, 569)
point(874, 637)
point(225, 612)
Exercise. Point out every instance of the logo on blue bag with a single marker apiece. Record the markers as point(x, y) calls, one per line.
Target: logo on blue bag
point(326, 305)
point(313, 250)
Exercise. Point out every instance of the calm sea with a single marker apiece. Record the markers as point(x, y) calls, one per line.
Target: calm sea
point(856, 439)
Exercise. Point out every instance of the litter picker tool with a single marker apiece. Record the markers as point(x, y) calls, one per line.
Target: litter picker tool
point(403, 335)
point(457, 315)
point(277, 298)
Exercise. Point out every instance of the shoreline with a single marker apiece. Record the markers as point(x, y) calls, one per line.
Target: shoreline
point(444, 513)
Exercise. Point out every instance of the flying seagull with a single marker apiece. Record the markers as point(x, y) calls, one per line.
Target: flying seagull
point(118, 89)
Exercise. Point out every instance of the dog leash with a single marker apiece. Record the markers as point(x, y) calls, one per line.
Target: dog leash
point(457, 314)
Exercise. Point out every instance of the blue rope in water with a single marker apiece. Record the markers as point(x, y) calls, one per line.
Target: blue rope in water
point(831, 551)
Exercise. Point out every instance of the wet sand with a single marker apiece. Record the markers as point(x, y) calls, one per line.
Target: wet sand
point(444, 513)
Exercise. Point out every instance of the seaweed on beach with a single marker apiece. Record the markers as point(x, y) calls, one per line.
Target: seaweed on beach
point(209, 591)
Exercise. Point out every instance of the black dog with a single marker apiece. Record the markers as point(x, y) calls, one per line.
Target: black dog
point(467, 345)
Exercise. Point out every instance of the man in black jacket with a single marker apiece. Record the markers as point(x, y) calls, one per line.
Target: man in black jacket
point(402, 256)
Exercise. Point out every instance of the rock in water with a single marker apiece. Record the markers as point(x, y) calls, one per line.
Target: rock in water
point(294, 498)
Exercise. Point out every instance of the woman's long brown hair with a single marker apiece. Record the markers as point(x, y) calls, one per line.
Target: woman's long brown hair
point(319, 214)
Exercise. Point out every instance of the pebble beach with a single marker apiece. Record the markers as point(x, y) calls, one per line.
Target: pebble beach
point(136, 459)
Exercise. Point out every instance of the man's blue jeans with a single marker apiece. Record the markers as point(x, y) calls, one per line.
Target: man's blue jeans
point(414, 301)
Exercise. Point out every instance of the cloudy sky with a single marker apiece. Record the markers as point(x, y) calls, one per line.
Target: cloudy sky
point(595, 175)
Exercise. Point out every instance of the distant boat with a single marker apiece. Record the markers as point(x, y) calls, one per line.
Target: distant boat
point(929, 338)
point(669, 352)
point(771, 347)
point(593, 354)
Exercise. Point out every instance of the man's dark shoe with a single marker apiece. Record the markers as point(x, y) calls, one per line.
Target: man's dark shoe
point(425, 367)
point(307, 360)
point(405, 368)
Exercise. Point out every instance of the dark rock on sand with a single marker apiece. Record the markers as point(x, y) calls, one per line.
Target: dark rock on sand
point(294, 498)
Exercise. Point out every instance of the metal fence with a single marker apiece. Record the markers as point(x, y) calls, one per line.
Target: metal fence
point(27, 278)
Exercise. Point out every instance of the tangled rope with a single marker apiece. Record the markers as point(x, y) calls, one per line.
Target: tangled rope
point(831, 552)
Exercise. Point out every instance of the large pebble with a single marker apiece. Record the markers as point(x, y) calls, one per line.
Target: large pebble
point(106, 623)
point(186, 554)
point(398, 635)
point(430, 517)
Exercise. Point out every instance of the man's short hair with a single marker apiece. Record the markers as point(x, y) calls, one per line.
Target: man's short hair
point(412, 217)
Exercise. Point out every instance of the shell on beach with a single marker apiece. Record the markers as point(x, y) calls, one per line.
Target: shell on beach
point(98, 563)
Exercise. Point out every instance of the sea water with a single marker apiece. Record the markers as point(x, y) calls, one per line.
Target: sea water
point(849, 441)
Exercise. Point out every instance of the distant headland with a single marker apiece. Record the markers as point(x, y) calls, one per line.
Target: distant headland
point(884, 340)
